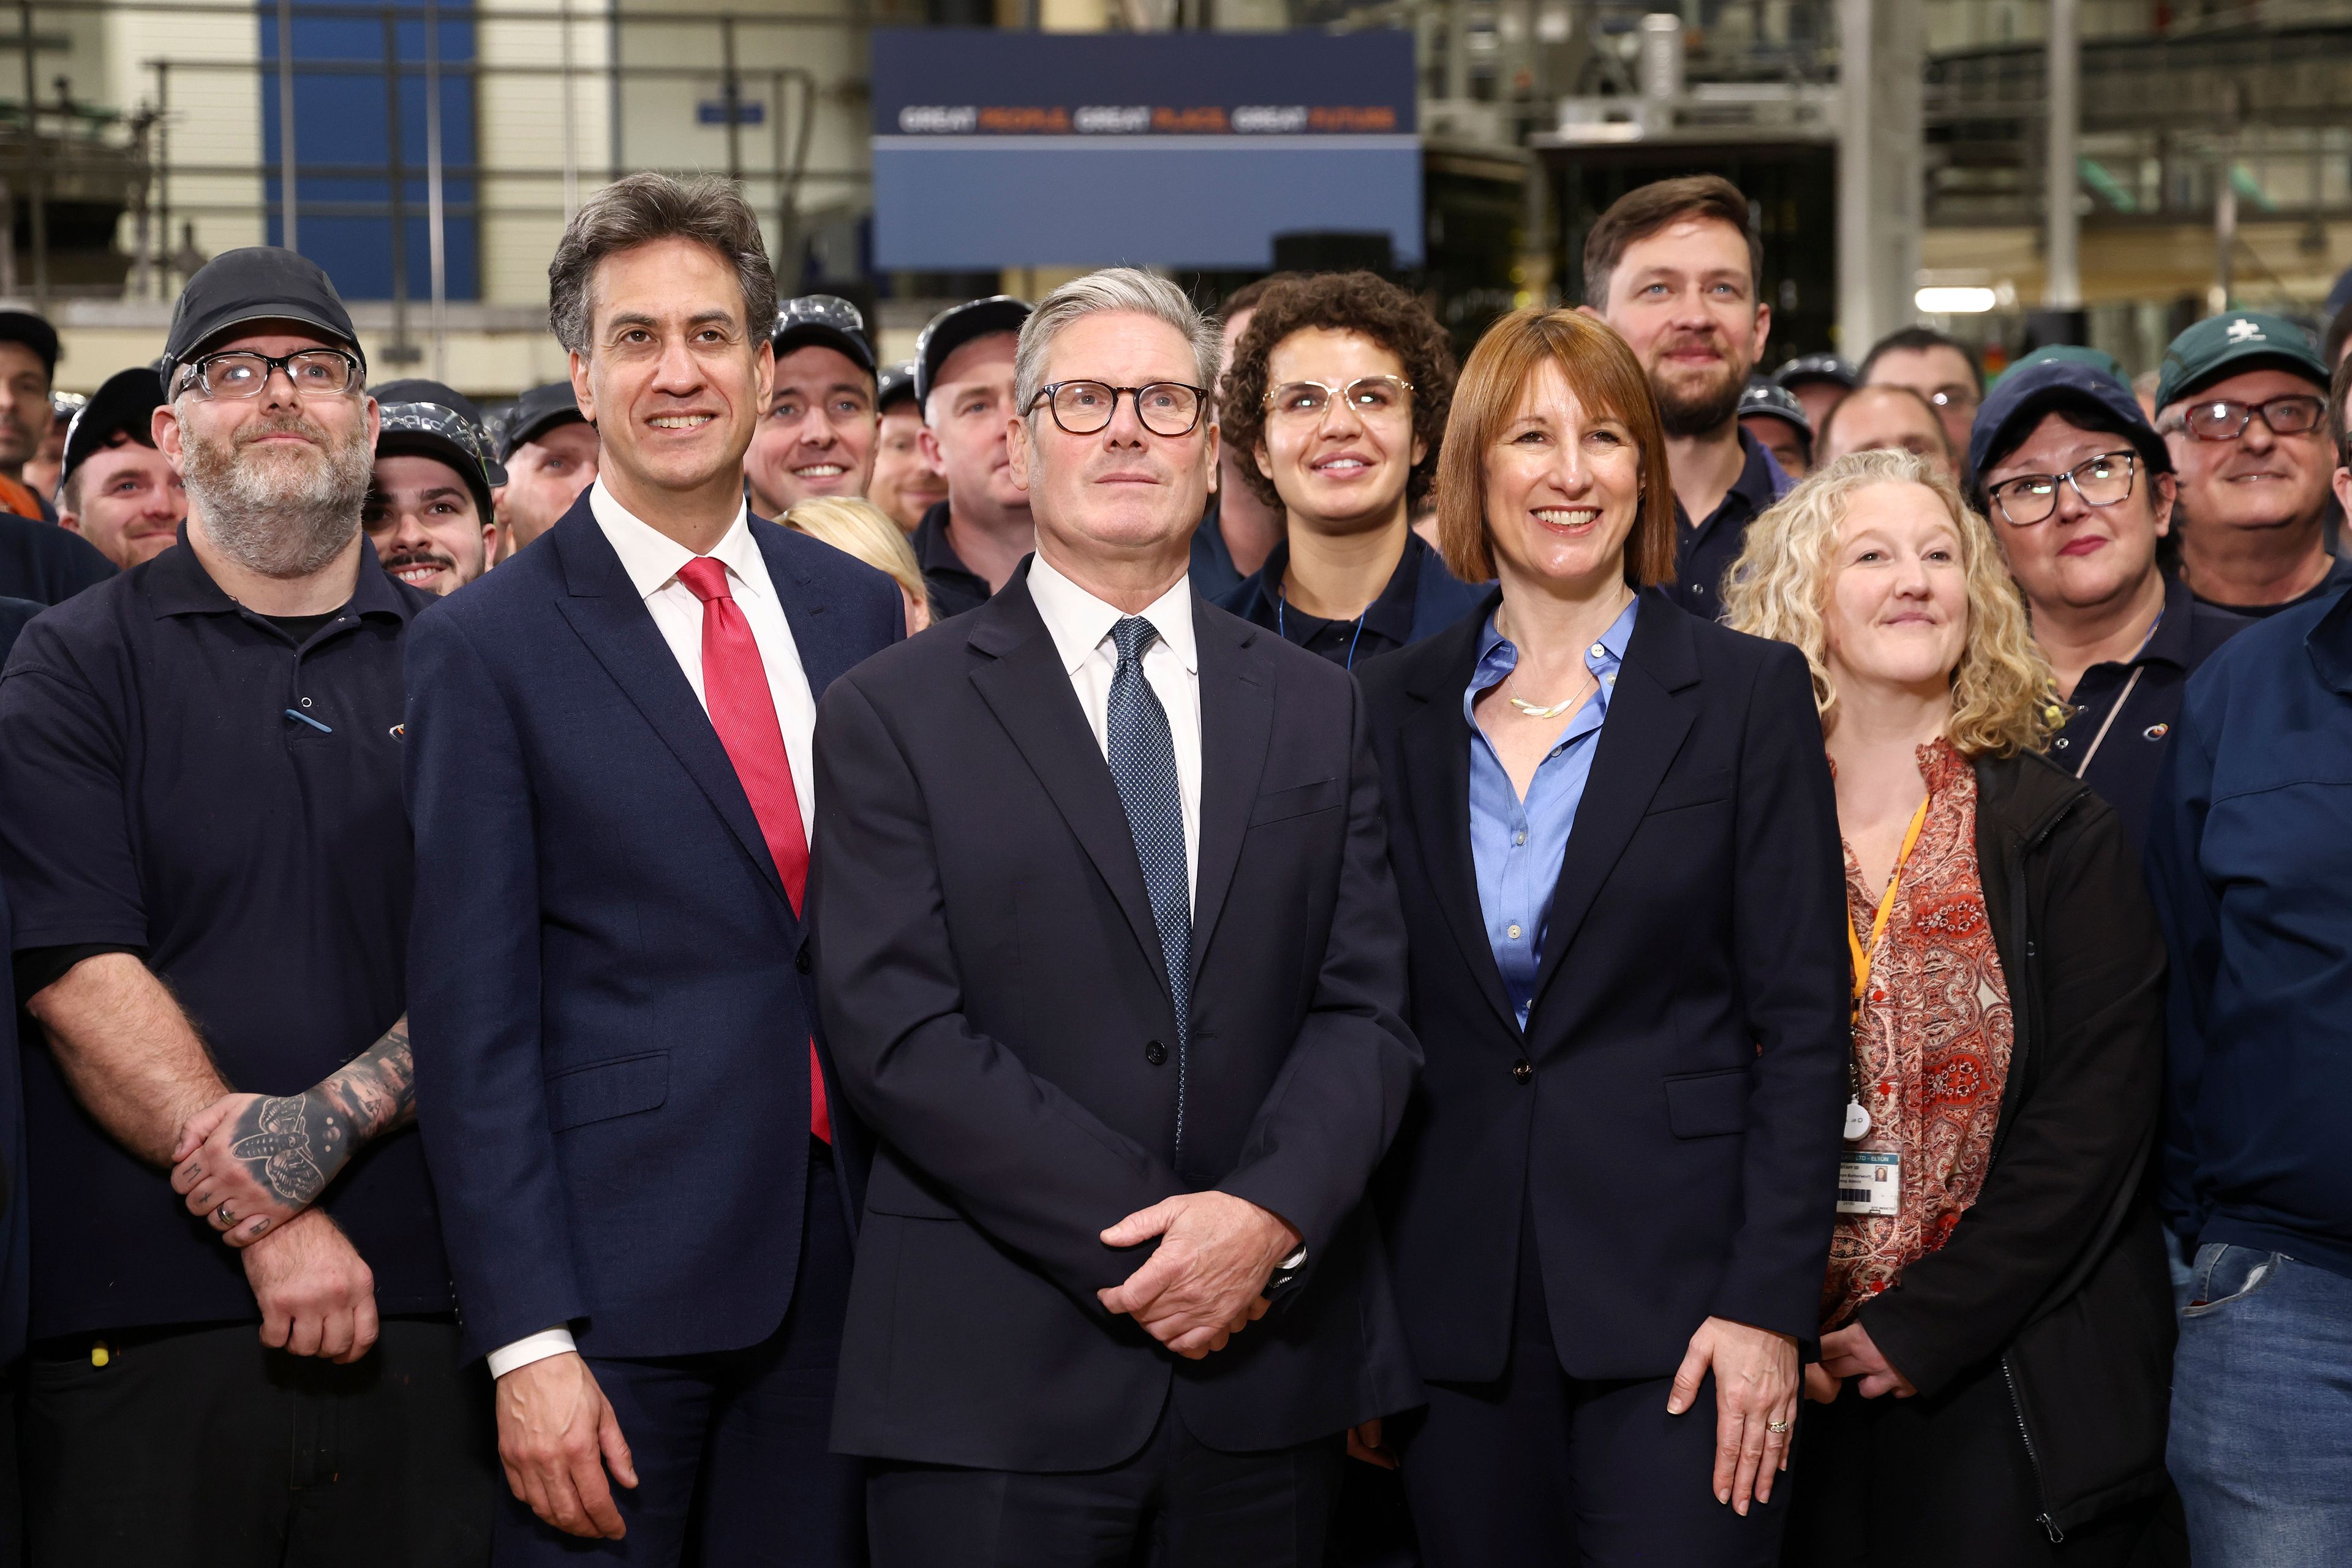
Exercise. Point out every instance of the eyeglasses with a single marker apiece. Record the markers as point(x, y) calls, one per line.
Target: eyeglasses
point(2030, 498)
point(324, 372)
point(2225, 418)
point(1368, 396)
point(1084, 407)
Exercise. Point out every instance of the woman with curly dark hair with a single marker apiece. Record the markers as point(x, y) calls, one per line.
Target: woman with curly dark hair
point(1336, 397)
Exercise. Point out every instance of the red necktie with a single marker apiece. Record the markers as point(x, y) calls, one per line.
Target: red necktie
point(743, 711)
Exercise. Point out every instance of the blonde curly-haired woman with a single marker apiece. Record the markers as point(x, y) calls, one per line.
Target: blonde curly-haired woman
point(1995, 1337)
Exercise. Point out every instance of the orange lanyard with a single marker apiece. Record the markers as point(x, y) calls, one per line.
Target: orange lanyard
point(1885, 908)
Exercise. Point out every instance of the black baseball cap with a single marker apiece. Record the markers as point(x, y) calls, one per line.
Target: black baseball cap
point(258, 283)
point(1771, 398)
point(20, 326)
point(426, 419)
point(896, 382)
point(958, 325)
point(2084, 394)
point(826, 320)
point(1817, 367)
point(124, 403)
point(537, 412)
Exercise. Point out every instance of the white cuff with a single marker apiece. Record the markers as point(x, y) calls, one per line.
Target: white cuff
point(536, 1347)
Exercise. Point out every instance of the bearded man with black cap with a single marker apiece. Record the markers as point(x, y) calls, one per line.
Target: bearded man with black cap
point(114, 488)
point(817, 436)
point(428, 513)
point(202, 837)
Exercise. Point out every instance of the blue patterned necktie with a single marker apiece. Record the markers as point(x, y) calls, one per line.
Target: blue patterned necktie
point(1143, 766)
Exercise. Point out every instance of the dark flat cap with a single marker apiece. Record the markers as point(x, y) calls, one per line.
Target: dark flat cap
point(537, 412)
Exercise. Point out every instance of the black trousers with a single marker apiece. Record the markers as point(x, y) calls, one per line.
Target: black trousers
point(199, 1448)
point(1937, 1483)
point(1178, 1504)
point(730, 1446)
point(1539, 1469)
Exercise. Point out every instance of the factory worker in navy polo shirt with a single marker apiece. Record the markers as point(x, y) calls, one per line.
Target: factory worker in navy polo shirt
point(243, 1349)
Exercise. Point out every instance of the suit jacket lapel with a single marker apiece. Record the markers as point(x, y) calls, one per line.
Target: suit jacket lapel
point(1236, 726)
point(1020, 676)
point(824, 651)
point(1639, 739)
point(1436, 742)
point(603, 608)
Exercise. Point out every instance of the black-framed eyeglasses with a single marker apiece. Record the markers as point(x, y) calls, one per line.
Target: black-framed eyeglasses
point(2225, 418)
point(2032, 499)
point(1368, 395)
point(1085, 407)
point(241, 373)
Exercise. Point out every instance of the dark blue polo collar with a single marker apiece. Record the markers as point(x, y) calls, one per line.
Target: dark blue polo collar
point(178, 584)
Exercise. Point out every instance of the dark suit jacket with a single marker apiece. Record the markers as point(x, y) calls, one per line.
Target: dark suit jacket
point(999, 1012)
point(1677, 1124)
point(611, 1027)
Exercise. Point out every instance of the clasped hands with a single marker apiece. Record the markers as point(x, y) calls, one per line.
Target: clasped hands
point(1206, 1281)
point(1849, 1353)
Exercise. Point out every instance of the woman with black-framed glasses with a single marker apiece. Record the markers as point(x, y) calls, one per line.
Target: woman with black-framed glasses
point(2079, 489)
point(1336, 402)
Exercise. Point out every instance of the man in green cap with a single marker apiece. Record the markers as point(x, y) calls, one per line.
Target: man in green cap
point(2241, 406)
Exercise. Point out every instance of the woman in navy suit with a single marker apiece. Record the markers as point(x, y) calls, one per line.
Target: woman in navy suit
point(1615, 837)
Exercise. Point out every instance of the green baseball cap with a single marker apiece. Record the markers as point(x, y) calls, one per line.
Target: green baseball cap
point(2099, 360)
point(2232, 342)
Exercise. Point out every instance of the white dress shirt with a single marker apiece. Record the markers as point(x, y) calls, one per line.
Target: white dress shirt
point(1080, 625)
point(652, 559)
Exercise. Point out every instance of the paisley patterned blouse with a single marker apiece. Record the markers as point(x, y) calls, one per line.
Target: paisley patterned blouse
point(1932, 1050)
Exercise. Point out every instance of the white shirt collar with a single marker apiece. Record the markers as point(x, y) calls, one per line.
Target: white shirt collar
point(1080, 623)
point(652, 558)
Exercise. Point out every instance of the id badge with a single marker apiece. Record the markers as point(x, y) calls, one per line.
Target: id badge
point(1870, 1182)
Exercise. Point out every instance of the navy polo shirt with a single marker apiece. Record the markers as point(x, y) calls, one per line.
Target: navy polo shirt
point(955, 587)
point(1385, 625)
point(2250, 862)
point(2126, 751)
point(182, 778)
point(1703, 554)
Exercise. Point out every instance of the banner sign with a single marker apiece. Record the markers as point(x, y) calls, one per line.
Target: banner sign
point(1018, 149)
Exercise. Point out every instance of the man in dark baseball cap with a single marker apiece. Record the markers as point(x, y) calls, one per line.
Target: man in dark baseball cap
point(213, 918)
point(970, 543)
point(2241, 402)
point(2079, 490)
point(1772, 415)
point(906, 484)
point(114, 488)
point(549, 450)
point(816, 436)
point(1818, 382)
point(429, 512)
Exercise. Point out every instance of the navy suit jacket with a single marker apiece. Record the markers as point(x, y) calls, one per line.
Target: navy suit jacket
point(1672, 1109)
point(610, 1006)
point(995, 991)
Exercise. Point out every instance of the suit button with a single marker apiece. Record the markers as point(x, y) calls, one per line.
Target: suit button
point(801, 961)
point(1523, 1070)
point(1155, 1053)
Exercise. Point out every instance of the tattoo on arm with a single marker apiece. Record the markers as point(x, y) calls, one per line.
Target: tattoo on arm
point(293, 1145)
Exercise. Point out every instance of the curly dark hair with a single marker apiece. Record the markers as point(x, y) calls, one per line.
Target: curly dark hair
point(1351, 303)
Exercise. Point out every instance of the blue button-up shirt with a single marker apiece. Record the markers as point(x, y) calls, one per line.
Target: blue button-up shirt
point(1517, 844)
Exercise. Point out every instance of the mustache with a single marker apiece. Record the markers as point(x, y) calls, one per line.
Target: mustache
point(291, 424)
point(400, 558)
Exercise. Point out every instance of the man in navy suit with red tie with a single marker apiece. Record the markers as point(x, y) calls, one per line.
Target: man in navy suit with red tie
point(648, 1202)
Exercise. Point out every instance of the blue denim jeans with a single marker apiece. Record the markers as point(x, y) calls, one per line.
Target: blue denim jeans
point(2260, 1444)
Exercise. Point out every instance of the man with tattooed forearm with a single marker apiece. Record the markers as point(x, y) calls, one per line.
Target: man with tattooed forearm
point(244, 1345)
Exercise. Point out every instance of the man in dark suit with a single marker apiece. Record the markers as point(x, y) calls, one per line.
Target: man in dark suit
point(643, 1192)
point(1109, 956)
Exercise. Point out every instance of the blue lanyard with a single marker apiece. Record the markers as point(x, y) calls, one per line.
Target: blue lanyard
point(1281, 629)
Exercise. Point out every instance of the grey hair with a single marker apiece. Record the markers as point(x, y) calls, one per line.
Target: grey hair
point(1125, 289)
point(639, 209)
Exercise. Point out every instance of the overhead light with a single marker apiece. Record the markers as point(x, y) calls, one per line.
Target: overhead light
point(1954, 301)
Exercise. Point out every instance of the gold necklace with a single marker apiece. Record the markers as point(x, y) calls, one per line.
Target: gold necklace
point(1537, 711)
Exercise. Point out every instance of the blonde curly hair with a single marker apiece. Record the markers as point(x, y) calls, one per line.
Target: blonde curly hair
point(2004, 700)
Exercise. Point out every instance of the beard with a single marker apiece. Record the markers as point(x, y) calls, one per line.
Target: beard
point(280, 511)
point(1700, 403)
